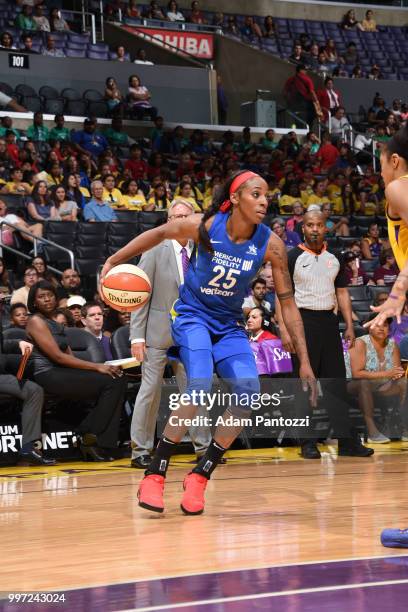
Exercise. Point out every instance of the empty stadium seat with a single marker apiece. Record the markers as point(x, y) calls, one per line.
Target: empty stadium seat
point(84, 345)
point(358, 293)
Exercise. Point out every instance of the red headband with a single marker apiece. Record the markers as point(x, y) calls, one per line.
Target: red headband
point(235, 185)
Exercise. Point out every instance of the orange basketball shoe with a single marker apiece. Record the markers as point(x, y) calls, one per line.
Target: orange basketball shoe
point(150, 493)
point(193, 497)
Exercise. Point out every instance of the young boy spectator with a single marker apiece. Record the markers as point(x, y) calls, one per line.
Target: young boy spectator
point(136, 165)
point(38, 132)
point(18, 315)
point(59, 132)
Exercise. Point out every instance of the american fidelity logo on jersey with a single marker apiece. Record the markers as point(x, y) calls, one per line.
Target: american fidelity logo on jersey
point(252, 250)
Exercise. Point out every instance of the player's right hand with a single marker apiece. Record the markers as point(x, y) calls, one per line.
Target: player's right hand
point(138, 351)
point(390, 309)
point(106, 267)
point(287, 342)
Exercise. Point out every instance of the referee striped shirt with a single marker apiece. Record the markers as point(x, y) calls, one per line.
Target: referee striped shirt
point(315, 277)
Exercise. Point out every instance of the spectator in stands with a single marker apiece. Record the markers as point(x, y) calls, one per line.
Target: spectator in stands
point(328, 153)
point(372, 245)
point(111, 194)
point(62, 209)
point(97, 209)
point(24, 20)
point(70, 285)
point(6, 41)
point(5, 277)
point(64, 317)
point(368, 24)
point(386, 274)
point(57, 22)
point(300, 93)
point(113, 95)
point(329, 98)
point(75, 303)
point(256, 327)
point(18, 315)
point(42, 22)
point(16, 185)
point(351, 55)
point(349, 21)
point(72, 190)
point(196, 15)
point(141, 58)
point(28, 45)
point(21, 295)
point(173, 12)
point(88, 141)
point(269, 29)
point(266, 274)
point(121, 54)
point(19, 224)
point(297, 56)
point(353, 271)
point(375, 73)
point(323, 65)
point(139, 99)
point(59, 132)
point(133, 198)
point(40, 265)
point(257, 297)
point(250, 28)
point(319, 195)
point(357, 73)
point(38, 132)
point(115, 134)
point(54, 174)
point(62, 374)
point(51, 50)
point(218, 20)
point(155, 12)
point(232, 26)
point(335, 228)
point(332, 57)
point(132, 10)
point(297, 214)
point(375, 366)
point(92, 321)
point(339, 123)
point(158, 200)
point(39, 206)
point(291, 239)
point(136, 165)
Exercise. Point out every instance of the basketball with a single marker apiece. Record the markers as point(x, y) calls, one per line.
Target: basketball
point(126, 288)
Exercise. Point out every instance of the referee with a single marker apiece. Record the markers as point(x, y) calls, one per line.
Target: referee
point(318, 280)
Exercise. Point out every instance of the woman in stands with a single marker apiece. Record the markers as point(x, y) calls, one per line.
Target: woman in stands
point(158, 200)
point(173, 12)
point(372, 245)
point(268, 30)
point(62, 208)
point(133, 198)
point(113, 96)
point(258, 325)
point(40, 265)
point(67, 377)
point(6, 41)
point(140, 99)
point(39, 207)
point(349, 21)
point(368, 24)
point(207, 319)
point(57, 22)
point(73, 191)
point(132, 10)
point(16, 185)
point(5, 279)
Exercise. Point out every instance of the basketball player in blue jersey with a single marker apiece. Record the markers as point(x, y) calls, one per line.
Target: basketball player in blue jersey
point(231, 245)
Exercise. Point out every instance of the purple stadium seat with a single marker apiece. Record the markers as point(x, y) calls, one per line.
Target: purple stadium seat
point(76, 46)
point(76, 53)
point(97, 55)
point(99, 47)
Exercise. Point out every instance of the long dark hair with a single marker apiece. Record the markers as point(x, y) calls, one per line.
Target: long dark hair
point(42, 284)
point(35, 197)
point(73, 192)
point(221, 197)
point(398, 144)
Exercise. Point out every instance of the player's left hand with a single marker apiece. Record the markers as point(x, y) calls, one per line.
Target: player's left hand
point(391, 308)
point(309, 382)
point(106, 267)
point(349, 336)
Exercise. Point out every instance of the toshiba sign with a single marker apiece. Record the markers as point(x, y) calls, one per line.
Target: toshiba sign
point(193, 43)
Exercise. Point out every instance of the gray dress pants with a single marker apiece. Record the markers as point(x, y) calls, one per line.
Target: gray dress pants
point(32, 396)
point(148, 402)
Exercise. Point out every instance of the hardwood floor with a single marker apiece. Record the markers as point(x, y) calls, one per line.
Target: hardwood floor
point(79, 525)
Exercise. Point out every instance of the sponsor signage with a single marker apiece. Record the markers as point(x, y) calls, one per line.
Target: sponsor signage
point(200, 45)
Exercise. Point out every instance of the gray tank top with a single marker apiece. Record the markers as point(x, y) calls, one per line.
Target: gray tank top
point(40, 361)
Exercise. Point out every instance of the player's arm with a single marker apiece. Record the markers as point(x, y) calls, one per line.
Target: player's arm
point(276, 255)
point(344, 302)
point(397, 201)
point(183, 229)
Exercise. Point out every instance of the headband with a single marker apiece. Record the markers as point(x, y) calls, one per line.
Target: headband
point(235, 185)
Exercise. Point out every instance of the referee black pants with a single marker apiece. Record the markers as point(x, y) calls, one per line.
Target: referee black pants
point(326, 358)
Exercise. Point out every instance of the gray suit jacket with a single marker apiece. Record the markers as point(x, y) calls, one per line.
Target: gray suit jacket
point(152, 321)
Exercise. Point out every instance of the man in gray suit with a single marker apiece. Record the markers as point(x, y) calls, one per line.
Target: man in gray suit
point(150, 338)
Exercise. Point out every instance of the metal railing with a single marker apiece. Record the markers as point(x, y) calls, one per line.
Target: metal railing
point(36, 241)
point(84, 14)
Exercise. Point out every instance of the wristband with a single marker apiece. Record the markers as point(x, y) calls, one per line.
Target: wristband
point(396, 297)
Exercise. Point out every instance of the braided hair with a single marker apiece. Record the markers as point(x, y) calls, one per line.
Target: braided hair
point(219, 199)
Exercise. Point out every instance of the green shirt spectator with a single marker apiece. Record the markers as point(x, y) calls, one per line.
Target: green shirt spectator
point(60, 134)
point(7, 125)
point(38, 131)
point(114, 134)
point(24, 20)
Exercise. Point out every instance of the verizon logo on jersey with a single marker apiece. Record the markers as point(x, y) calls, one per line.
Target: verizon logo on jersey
point(221, 292)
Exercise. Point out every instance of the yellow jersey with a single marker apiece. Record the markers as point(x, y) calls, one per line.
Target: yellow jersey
point(398, 236)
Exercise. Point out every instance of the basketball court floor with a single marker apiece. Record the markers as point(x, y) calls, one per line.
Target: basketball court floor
point(278, 533)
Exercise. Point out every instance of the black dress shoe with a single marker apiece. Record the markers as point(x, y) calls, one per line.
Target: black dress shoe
point(93, 453)
point(354, 450)
point(142, 462)
point(309, 450)
point(34, 457)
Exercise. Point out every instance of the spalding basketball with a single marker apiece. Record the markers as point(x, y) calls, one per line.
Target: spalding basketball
point(126, 288)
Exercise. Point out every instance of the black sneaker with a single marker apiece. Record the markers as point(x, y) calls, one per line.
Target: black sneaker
point(309, 450)
point(34, 457)
point(354, 449)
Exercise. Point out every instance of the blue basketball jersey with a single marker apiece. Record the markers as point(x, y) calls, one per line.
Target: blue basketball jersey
point(216, 284)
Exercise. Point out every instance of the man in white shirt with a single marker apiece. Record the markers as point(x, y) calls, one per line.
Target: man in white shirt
point(362, 142)
point(339, 122)
point(150, 338)
point(141, 58)
point(257, 298)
